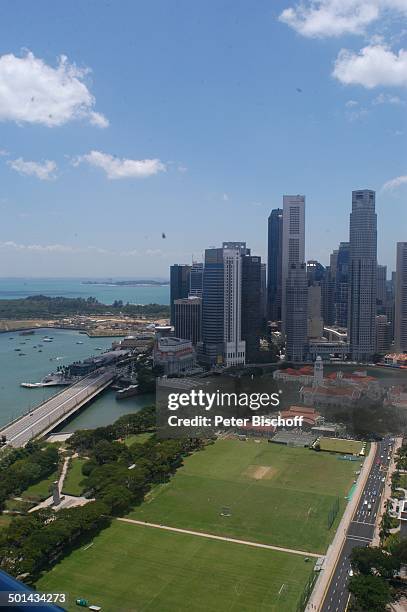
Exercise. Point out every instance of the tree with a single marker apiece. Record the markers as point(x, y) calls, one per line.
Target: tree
point(372, 560)
point(372, 593)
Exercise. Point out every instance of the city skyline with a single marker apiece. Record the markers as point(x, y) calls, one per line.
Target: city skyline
point(187, 114)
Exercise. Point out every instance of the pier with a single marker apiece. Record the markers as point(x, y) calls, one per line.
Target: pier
point(54, 411)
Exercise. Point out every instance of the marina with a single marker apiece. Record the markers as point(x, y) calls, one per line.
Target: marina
point(36, 367)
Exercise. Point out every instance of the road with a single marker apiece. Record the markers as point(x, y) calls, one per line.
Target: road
point(40, 419)
point(361, 529)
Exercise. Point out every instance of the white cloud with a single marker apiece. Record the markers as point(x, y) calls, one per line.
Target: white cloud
point(326, 18)
point(32, 91)
point(395, 183)
point(4, 153)
point(225, 197)
point(374, 65)
point(117, 168)
point(44, 171)
point(387, 99)
point(351, 103)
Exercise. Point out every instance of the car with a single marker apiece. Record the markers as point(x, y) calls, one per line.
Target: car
point(350, 572)
point(369, 507)
point(365, 502)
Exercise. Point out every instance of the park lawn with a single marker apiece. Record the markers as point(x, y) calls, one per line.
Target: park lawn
point(273, 494)
point(42, 489)
point(403, 481)
point(339, 445)
point(5, 520)
point(131, 567)
point(139, 438)
point(73, 478)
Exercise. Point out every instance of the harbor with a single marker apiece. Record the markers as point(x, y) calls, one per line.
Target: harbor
point(66, 347)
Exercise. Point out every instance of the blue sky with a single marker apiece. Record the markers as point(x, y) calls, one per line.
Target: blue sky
point(193, 119)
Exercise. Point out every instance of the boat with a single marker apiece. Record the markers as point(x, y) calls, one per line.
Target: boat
point(79, 342)
point(127, 392)
point(17, 349)
point(21, 354)
point(98, 348)
point(52, 380)
point(47, 339)
point(27, 332)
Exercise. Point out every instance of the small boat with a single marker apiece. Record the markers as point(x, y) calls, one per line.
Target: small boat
point(40, 350)
point(79, 342)
point(17, 349)
point(98, 348)
point(21, 354)
point(47, 339)
point(27, 332)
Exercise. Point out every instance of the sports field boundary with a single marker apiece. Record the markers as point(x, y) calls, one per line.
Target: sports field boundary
point(212, 536)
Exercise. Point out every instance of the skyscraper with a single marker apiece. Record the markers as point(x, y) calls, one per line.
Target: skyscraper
point(381, 289)
point(341, 285)
point(400, 332)
point(188, 318)
point(274, 263)
point(234, 346)
point(210, 350)
point(179, 285)
point(221, 306)
point(296, 312)
point(252, 314)
point(362, 276)
point(293, 251)
point(196, 279)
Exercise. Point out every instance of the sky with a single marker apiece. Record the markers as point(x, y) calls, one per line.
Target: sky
point(124, 122)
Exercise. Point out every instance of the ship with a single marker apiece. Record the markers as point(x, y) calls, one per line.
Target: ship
point(27, 332)
point(127, 392)
point(51, 380)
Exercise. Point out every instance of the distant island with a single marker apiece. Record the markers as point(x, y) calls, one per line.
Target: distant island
point(128, 283)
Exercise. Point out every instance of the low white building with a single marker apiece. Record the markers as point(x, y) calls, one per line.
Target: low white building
point(175, 355)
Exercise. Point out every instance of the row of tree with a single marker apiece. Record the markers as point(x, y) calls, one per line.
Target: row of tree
point(42, 306)
point(115, 477)
point(24, 467)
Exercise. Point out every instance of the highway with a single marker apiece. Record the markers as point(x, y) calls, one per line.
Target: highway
point(42, 418)
point(361, 529)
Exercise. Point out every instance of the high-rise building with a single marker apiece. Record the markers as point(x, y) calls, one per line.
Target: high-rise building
point(234, 346)
point(196, 279)
point(221, 306)
point(252, 306)
point(362, 276)
point(179, 285)
point(315, 326)
point(341, 285)
point(382, 335)
point(400, 331)
point(328, 296)
point(381, 290)
point(274, 263)
point(263, 290)
point(296, 312)
point(188, 318)
point(293, 251)
point(315, 272)
point(210, 350)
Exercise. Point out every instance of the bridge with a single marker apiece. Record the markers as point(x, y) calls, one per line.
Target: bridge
point(45, 417)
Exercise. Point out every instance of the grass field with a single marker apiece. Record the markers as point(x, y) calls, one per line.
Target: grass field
point(276, 495)
point(41, 490)
point(338, 445)
point(132, 568)
point(139, 438)
point(5, 520)
point(73, 478)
